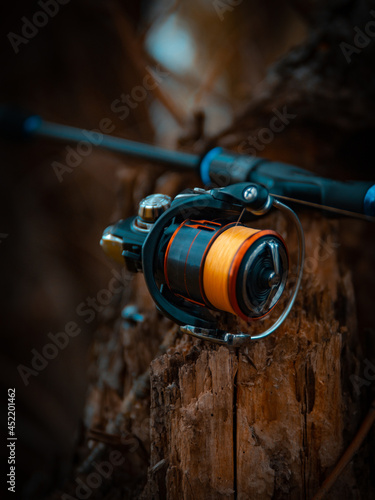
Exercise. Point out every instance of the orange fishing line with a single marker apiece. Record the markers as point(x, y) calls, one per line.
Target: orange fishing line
point(218, 263)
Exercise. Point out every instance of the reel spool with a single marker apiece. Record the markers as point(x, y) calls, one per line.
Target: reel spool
point(227, 267)
point(195, 263)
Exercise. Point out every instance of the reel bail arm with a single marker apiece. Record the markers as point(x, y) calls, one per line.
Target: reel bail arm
point(197, 258)
point(239, 339)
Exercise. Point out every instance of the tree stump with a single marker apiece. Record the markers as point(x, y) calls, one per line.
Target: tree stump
point(268, 420)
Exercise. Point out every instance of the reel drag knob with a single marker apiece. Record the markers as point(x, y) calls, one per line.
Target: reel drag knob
point(150, 209)
point(153, 206)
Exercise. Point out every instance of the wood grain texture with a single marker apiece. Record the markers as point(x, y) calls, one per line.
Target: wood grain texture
point(266, 421)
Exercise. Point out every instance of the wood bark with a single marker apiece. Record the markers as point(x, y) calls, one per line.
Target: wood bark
point(268, 420)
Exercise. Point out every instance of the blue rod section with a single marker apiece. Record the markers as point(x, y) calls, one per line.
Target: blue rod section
point(132, 148)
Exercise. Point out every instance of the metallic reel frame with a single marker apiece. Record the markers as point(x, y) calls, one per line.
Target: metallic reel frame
point(238, 339)
point(204, 327)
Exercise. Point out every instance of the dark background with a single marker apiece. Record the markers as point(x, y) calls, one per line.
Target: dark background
point(70, 72)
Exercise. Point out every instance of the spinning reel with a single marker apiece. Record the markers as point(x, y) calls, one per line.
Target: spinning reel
point(198, 257)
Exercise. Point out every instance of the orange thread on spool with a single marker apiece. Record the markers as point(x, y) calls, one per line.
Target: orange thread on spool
point(218, 263)
point(216, 235)
point(187, 256)
point(167, 253)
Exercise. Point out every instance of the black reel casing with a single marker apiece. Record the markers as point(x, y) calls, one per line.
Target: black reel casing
point(178, 245)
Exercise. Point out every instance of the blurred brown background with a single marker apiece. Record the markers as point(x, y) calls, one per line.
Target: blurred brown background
point(216, 84)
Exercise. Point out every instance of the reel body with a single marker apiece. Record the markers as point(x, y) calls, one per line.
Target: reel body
point(197, 258)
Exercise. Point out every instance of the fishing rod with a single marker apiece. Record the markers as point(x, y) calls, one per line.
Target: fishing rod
point(217, 167)
point(200, 258)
